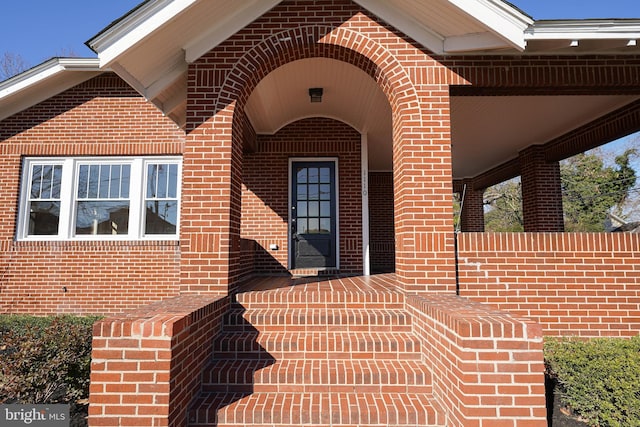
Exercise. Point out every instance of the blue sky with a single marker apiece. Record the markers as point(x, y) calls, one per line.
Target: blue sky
point(40, 29)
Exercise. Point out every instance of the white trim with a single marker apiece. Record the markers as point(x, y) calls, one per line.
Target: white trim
point(45, 71)
point(597, 29)
point(70, 173)
point(293, 160)
point(499, 17)
point(44, 81)
point(135, 27)
point(364, 162)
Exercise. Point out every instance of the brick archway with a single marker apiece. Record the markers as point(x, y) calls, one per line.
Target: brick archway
point(421, 160)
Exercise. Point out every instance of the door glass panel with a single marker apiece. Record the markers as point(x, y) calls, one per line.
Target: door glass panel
point(302, 226)
point(302, 176)
point(314, 192)
point(325, 225)
point(302, 192)
point(325, 209)
point(302, 209)
point(325, 175)
point(314, 226)
point(325, 192)
point(314, 177)
point(314, 209)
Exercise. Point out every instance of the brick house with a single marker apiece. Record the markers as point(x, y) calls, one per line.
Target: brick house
point(259, 195)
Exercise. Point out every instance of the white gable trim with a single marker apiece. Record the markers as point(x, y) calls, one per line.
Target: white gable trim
point(44, 81)
point(136, 27)
point(500, 18)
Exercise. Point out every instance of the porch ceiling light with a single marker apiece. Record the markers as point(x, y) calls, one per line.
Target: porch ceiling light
point(315, 93)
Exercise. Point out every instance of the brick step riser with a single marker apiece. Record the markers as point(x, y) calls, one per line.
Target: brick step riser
point(313, 388)
point(322, 409)
point(321, 321)
point(336, 376)
point(321, 305)
point(392, 346)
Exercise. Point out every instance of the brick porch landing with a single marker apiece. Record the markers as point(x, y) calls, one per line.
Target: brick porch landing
point(312, 351)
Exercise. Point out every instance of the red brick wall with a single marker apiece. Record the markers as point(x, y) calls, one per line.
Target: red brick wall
point(381, 220)
point(487, 365)
point(146, 364)
point(572, 284)
point(265, 209)
point(102, 116)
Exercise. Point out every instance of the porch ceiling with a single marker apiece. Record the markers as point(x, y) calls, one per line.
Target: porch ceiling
point(486, 130)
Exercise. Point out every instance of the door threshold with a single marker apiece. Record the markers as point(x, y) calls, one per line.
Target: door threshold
point(314, 272)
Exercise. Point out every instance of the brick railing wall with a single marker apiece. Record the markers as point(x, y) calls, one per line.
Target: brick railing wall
point(146, 364)
point(585, 284)
point(488, 367)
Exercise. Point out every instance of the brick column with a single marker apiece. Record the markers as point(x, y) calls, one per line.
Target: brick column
point(472, 215)
point(541, 192)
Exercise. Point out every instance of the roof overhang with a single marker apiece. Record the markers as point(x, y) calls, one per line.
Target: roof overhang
point(44, 81)
point(595, 36)
point(151, 47)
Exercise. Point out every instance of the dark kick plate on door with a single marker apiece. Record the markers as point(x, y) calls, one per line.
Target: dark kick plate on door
point(314, 248)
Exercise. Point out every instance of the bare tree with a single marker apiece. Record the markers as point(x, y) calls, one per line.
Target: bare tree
point(11, 64)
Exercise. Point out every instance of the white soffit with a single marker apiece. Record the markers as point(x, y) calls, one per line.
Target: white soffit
point(455, 26)
point(44, 81)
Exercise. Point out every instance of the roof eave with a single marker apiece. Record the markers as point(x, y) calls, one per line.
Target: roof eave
point(43, 81)
point(121, 36)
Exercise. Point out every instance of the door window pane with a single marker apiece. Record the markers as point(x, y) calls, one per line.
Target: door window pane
point(302, 209)
point(314, 192)
point(325, 175)
point(314, 176)
point(325, 209)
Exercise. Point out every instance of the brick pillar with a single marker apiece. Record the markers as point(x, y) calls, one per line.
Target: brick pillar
point(472, 215)
point(541, 192)
point(210, 218)
point(423, 204)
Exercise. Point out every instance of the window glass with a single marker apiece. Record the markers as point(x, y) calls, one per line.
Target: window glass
point(161, 213)
point(44, 200)
point(101, 206)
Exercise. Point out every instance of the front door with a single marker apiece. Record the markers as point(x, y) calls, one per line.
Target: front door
point(313, 215)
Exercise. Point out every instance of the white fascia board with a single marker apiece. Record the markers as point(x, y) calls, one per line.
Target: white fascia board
point(584, 30)
point(136, 27)
point(45, 71)
point(250, 11)
point(423, 35)
point(499, 17)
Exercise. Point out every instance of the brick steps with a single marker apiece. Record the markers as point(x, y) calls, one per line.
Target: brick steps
point(316, 319)
point(317, 345)
point(327, 353)
point(339, 376)
point(319, 409)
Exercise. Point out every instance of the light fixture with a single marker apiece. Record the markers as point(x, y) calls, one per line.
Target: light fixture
point(315, 93)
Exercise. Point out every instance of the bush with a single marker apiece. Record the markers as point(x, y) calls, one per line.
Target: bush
point(45, 360)
point(598, 379)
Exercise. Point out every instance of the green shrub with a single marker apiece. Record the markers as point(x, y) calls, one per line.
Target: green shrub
point(598, 379)
point(44, 360)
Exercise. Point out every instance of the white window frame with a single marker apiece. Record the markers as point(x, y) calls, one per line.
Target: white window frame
point(68, 199)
